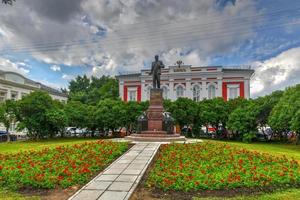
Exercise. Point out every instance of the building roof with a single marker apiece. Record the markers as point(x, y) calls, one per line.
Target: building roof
point(30, 83)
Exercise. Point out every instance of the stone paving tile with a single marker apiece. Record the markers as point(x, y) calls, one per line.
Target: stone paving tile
point(136, 166)
point(113, 195)
point(120, 186)
point(119, 166)
point(128, 157)
point(124, 161)
point(132, 171)
point(112, 171)
point(126, 178)
point(106, 177)
point(140, 161)
point(88, 195)
point(98, 185)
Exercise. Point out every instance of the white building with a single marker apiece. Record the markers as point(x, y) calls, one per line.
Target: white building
point(196, 83)
point(15, 86)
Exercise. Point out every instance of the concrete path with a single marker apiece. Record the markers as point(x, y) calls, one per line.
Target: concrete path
point(118, 181)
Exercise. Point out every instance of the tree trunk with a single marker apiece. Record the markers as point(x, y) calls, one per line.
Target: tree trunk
point(8, 134)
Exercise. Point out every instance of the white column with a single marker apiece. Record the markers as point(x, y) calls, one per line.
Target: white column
point(204, 93)
point(144, 91)
point(219, 91)
point(121, 90)
point(8, 94)
point(247, 88)
point(188, 88)
point(172, 92)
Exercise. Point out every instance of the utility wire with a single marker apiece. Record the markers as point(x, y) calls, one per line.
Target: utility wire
point(80, 42)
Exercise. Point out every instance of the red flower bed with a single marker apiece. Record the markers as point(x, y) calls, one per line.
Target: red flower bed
point(62, 166)
point(212, 166)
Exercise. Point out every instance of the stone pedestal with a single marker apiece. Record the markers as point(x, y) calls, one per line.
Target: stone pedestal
point(155, 112)
point(155, 117)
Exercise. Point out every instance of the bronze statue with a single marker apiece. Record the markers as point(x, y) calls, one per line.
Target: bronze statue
point(157, 65)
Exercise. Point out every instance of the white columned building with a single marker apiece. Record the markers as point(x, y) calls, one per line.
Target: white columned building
point(196, 83)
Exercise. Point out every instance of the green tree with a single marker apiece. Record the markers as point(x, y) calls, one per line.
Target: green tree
point(284, 111)
point(132, 111)
point(33, 110)
point(57, 121)
point(92, 90)
point(8, 113)
point(242, 121)
point(183, 111)
point(77, 114)
point(295, 126)
point(266, 104)
point(214, 112)
point(91, 122)
point(110, 114)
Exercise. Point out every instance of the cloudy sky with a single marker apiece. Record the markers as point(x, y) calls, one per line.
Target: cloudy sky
point(52, 41)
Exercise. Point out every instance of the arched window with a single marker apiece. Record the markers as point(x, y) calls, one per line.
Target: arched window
point(165, 92)
point(196, 93)
point(211, 92)
point(179, 91)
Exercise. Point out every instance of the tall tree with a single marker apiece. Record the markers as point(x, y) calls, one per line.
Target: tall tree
point(284, 111)
point(242, 121)
point(184, 112)
point(77, 114)
point(214, 112)
point(110, 114)
point(8, 115)
point(33, 109)
point(92, 90)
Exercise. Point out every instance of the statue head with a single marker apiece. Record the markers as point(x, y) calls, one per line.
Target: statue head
point(156, 57)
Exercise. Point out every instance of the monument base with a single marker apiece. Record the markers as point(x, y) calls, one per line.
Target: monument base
point(158, 129)
point(150, 137)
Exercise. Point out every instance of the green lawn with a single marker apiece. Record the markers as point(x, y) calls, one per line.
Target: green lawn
point(292, 194)
point(289, 150)
point(7, 195)
point(13, 147)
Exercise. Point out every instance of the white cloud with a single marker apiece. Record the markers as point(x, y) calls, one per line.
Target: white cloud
point(136, 31)
point(55, 68)
point(67, 77)
point(276, 73)
point(8, 65)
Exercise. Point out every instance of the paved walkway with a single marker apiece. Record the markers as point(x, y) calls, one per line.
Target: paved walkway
point(118, 181)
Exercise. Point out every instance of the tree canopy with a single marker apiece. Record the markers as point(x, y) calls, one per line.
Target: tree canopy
point(92, 90)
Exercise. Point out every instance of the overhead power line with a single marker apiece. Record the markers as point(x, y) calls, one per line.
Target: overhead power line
point(203, 27)
point(157, 43)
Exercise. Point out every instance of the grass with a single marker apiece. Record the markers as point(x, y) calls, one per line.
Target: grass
point(291, 194)
point(14, 147)
point(8, 195)
point(289, 150)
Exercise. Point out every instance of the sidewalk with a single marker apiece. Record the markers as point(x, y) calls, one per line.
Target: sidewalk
point(118, 181)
